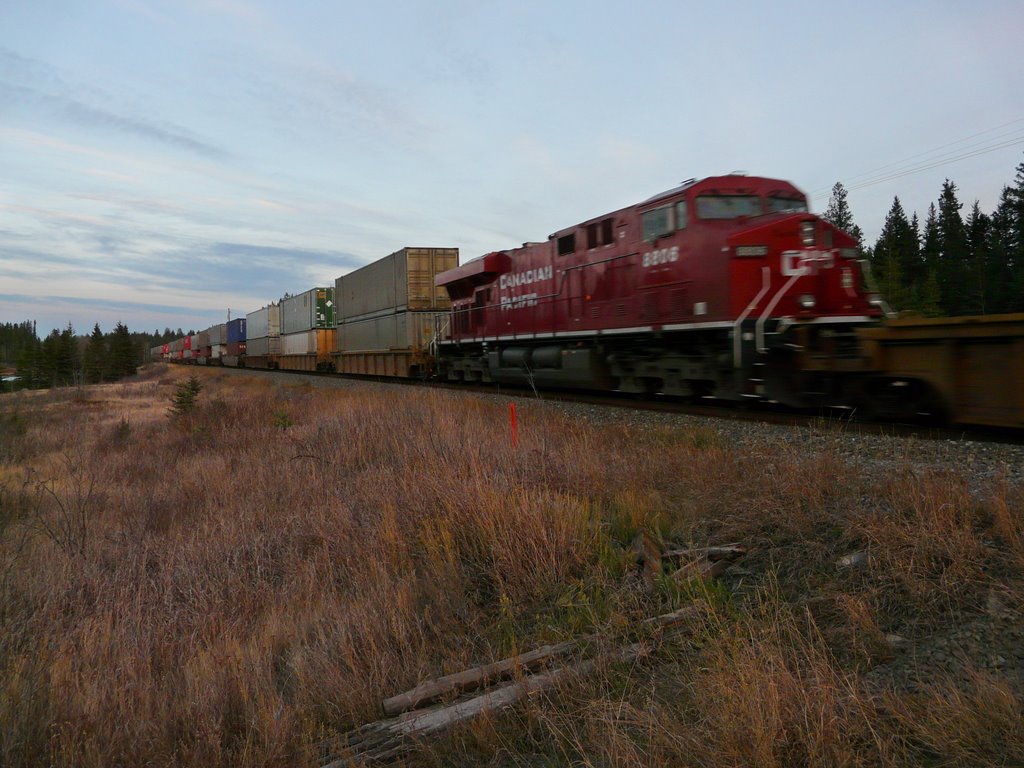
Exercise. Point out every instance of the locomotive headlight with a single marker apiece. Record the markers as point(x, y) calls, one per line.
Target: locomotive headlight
point(875, 300)
point(807, 232)
point(807, 301)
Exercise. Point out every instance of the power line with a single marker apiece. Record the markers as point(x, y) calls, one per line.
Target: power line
point(928, 165)
point(905, 167)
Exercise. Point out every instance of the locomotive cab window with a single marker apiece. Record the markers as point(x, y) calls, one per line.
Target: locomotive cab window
point(567, 244)
point(599, 233)
point(787, 205)
point(728, 206)
point(657, 223)
point(681, 214)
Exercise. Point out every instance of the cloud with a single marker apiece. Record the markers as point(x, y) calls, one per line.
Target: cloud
point(35, 85)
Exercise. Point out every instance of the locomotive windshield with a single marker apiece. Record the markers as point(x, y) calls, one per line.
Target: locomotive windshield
point(728, 206)
point(786, 205)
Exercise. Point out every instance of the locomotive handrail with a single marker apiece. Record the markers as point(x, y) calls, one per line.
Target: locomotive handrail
point(737, 341)
point(763, 318)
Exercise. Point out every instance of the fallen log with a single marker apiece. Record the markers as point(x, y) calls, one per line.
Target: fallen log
point(390, 738)
point(721, 552)
point(478, 677)
point(700, 569)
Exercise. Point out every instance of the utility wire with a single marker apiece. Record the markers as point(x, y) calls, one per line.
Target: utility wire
point(905, 167)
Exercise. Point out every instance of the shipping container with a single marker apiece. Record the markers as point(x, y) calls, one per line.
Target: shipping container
point(236, 331)
point(218, 334)
point(217, 351)
point(402, 281)
point(263, 322)
point(393, 345)
point(235, 348)
point(309, 351)
point(230, 360)
point(312, 309)
point(200, 340)
point(309, 342)
point(187, 342)
point(264, 346)
point(405, 330)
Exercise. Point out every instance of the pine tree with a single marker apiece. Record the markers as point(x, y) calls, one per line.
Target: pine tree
point(95, 356)
point(30, 364)
point(930, 303)
point(122, 354)
point(977, 294)
point(897, 259)
point(953, 270)
point(930, 247)
point(68, 370)
point(839, 214)
point(1015, 247)
point(1000, 248)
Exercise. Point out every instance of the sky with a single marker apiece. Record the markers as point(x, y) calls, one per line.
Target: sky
point(163, 163)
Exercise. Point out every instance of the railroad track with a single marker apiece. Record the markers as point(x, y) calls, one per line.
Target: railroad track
point(753, 411)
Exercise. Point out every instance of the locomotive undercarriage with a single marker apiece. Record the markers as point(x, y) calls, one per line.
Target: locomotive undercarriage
point(771, 363)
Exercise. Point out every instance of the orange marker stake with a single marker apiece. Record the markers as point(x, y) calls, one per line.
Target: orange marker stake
point(515, 427)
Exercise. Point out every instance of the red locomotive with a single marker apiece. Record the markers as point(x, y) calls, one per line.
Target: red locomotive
point(718, 287)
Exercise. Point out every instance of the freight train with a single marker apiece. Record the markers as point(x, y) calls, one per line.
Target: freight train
point(726, 287)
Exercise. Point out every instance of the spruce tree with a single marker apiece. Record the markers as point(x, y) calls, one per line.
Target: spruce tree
point(839, 214)
point(897, 259)
point(1016, 245)
point(95, 356)
point(977, 293)
point(68, 369)
point(953, 271)
point(122, 354)
point(1000, 247)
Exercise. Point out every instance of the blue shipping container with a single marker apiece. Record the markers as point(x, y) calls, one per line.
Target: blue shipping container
point(236, 331)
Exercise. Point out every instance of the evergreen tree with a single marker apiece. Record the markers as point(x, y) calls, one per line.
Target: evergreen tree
point(930, 242)
point(68, 370)
point(930, 303)
point(1000, 248)
point(839, 214)
point(16, 338)
point(897, 259)
point(122, 355)
point(95, 356)
point(978, 300)
point(953, 271)
point(30, 364)
point(1015, 247)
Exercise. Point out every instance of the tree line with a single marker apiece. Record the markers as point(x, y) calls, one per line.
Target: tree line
point(64, 358)
point(953, 265)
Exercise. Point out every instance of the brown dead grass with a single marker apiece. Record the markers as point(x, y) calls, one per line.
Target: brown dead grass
point(235, 586)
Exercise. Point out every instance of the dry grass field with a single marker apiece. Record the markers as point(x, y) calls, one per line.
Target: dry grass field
point(243, 583)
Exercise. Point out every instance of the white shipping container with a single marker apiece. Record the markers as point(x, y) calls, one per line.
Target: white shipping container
point(263, 322)
point(299, 343)
point(268, 345)
point(217, 350)
point(311, 309)
point(401, 331)
point(219, 334)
